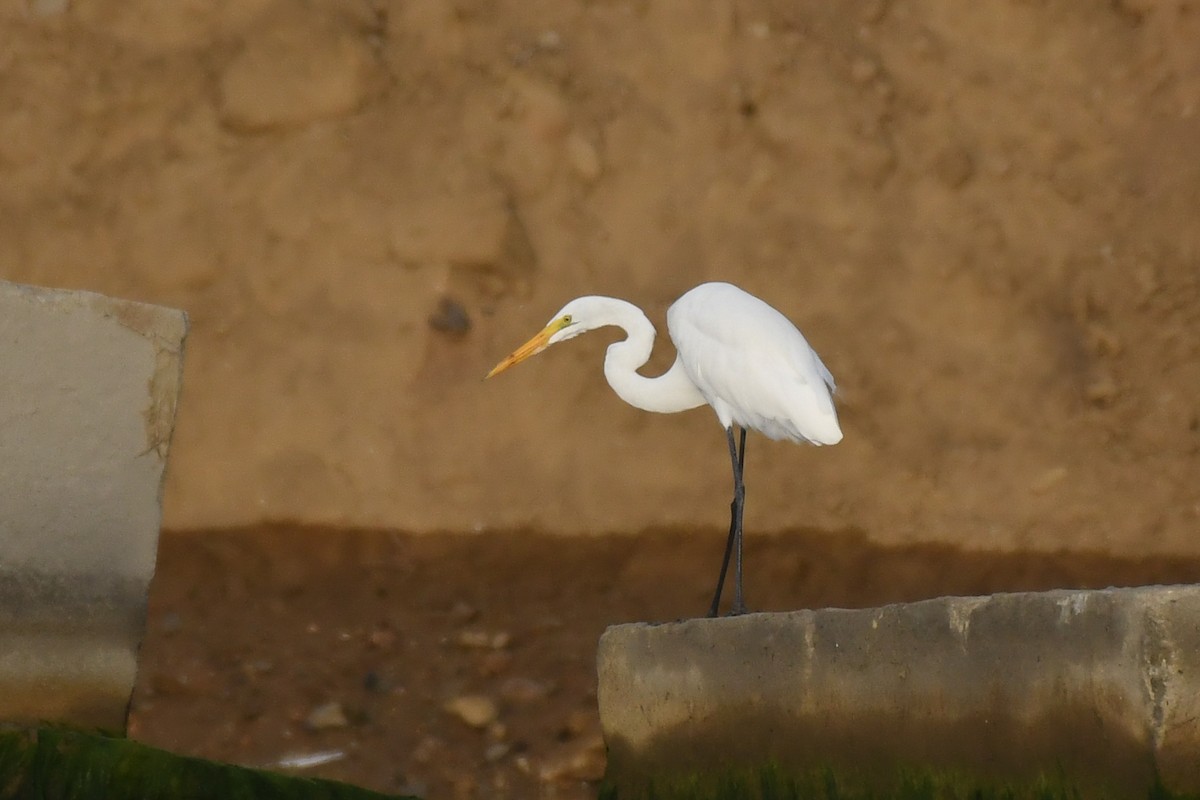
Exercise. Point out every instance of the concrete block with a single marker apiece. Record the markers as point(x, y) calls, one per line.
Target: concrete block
point(87, 406)
point(1097, 689)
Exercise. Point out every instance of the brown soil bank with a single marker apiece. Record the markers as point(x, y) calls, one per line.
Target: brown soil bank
point(983, 215)
point(464, 666)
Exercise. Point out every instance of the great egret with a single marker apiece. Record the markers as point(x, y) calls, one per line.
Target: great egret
point(735, 353)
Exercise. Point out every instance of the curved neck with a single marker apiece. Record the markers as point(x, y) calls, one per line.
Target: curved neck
point(670, 392)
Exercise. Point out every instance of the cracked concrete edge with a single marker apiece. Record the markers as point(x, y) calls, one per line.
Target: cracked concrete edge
point(166, 329)
point(1103, 686)
point(1171, 674)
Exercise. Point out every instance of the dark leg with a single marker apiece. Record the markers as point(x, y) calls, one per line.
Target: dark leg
point(739, 492)
point(738, 456)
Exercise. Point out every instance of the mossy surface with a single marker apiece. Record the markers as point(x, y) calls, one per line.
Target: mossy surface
point(61, 764)
point(771, 782)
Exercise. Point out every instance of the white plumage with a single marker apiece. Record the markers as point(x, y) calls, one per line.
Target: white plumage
point(734, 352)
point(752, 365)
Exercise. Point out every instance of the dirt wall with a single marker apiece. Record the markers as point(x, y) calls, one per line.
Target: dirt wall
point(984, 217)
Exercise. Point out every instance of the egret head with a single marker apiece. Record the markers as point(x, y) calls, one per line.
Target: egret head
point(574, 318)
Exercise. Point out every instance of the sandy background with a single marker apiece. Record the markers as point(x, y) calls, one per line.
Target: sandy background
point(984, 216)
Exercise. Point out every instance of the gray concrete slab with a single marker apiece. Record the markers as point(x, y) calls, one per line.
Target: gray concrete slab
point(1099, 688)
point(87, 406)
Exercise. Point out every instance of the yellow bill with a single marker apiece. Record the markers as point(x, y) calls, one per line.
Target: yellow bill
point(531, 348)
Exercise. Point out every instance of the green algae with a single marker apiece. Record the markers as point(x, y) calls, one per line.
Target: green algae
point(63, 764)
point(771, 782)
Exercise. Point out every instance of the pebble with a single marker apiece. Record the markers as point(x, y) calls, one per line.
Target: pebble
point(1049, 479)
point(309, 760)
point(496, 751)
point(382, 638)
point(1102, 390)
point(476, 710)
point(494, 662)
point(583, 157)
point(182, 683)
point(540, 108)
point(524, 690)
point(463, 612)
point(473, 639)
point(550, 41)
point(450, 318)
point(326, 716)
point(375, 683)
point(584, 762)
point(426, 749)
point(256, 667)
point(483, 640)
point(581, 720)
point(1102, 340)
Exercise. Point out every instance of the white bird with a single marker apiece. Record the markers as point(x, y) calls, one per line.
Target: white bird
point(735, 353)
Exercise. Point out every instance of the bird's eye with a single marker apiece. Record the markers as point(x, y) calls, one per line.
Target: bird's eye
point(567, 319)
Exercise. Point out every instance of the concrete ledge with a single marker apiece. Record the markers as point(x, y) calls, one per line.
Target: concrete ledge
point(1097, 689)
point(87, 407)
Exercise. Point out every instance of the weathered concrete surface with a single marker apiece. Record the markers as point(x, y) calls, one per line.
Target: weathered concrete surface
point(1100, 687)
point(87, 406)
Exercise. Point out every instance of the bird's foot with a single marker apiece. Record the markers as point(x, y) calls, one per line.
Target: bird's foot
point(738, 609)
